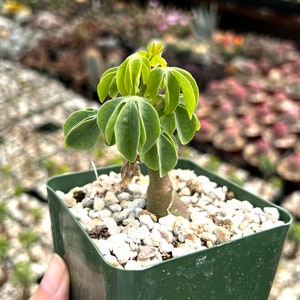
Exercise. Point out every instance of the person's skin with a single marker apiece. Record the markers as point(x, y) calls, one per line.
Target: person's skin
point(55, 283)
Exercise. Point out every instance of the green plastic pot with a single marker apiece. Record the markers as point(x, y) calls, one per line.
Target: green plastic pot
point(239, 269)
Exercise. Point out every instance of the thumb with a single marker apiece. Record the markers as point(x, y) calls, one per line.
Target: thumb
point(55, 283)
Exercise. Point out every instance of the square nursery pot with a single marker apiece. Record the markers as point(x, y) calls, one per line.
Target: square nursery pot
point(240, 269)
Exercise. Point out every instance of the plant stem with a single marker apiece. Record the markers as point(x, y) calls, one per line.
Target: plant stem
point(161, 197)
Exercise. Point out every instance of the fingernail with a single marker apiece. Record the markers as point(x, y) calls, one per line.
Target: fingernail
point(54, 275)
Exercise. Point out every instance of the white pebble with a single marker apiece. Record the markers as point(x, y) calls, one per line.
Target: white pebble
point(137, 189)
point(234, 204)
point(227, 211)
point(118, 238)
point(247, 231)
point(112, 260)
point(167, 235)
point(99, 204)
point(153, 239)
point(146, 252)
point(88, 224)
point(112, 226)
point(79, 213)
point(105, 213)
point(168, 221)
point(132, 265)
point(198, 217)
point(206, 236)
point(124, 196)
point(122, 252)
point(181, 228)
point(187, 199)
point(177, 252)
point(212, 209)
point(103, 245)
point(115, 207)
point(258, 211)
point(138, 234)
point(223, 234)
point(271, 213)
point(70, 201)
point(122, 215)
point(278, 223)
point(138, 203)
point(219, 193)
point(244, 224)
point(246, 206)
point(185, 191)
point(236, 221)
point(252, 217)
point(125, 203)
point(110, 198)
point(146, 220)
point(144, 263)
point(131, 222)
point(165, 247)
point(267, 225)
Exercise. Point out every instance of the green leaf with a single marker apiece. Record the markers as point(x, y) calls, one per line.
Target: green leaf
point(113, 89)
point(155, 49)
point(185, 125)
point(80, 129)
point(77, 117)
point(154, 54)
point(189, 89)
point(107, 116)
point(167, 123)
point(104, 85)
point(150, 124)
point(167, 153)
point(158, 61)
point(109, 133)
point(163, 155)
point(171, 92)
point(120, 78)
point(134, 70)
point(150, 158)
point(154, 84)
point(145, 69)
point(127, 131)
point(133, 73)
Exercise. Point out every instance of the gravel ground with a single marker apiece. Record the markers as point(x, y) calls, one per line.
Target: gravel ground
point(31, 149)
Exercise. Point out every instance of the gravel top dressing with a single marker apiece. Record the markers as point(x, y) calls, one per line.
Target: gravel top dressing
point(130, 237)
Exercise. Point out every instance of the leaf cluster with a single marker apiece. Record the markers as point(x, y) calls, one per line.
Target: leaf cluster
point(148, 102)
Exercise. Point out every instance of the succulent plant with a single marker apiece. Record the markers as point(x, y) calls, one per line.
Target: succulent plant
point(259, 150)
point(208, 129)
point(289, 167)
point(280, 136)
point(254, 85)
point(205, 22)
point(249, 127)
point(280, 130)
point(229, 139)
point(150, 101)
point(237, 94)
point(264, 115)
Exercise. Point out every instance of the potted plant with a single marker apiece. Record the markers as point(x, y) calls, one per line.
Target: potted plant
point(150, 102)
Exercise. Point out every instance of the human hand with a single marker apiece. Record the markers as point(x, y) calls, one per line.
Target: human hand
point(55, 283)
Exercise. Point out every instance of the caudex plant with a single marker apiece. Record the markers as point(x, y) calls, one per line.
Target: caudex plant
point(148, 103)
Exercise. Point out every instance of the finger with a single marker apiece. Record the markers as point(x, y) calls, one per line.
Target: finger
point(55, 283)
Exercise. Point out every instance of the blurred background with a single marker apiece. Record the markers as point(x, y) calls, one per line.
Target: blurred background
point(246, 60)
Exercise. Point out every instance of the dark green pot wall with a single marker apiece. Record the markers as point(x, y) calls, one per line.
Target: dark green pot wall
point(238, 270)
